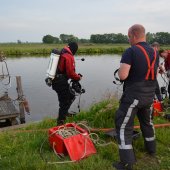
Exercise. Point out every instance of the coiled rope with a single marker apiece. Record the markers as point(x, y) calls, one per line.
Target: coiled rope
point(67, 132)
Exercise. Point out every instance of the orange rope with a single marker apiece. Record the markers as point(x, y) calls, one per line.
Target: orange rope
point(91, 129)
point(135, 127)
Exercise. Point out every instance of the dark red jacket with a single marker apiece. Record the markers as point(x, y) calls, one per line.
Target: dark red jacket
point(67, 64)
point(167, 61)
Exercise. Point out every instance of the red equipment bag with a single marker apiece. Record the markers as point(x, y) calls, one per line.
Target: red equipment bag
point(157, 107)
point(77, 146)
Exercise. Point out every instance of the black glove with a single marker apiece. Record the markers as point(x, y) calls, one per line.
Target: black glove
point(80, 75)
point(48, 81)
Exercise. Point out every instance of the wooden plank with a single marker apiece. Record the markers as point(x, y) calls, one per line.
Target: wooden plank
point(20, 97)
point(2, 117)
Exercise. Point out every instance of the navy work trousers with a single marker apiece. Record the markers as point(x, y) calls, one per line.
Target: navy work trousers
point(136, 100)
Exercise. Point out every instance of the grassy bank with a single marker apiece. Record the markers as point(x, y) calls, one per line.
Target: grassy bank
point(20, 148)
point(45, 49)
point(32, 49)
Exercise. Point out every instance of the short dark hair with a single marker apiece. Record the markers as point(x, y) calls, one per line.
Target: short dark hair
point(73, 46)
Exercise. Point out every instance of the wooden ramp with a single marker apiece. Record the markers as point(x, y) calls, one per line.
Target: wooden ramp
point(8, 112)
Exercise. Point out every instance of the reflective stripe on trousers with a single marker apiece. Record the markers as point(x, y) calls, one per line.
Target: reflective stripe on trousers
point(151, 138)
point(122, 128)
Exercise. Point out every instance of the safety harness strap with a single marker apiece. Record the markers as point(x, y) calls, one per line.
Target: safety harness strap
point(150, 65)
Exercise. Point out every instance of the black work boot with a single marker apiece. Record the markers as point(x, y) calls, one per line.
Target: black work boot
point(122, 166)
point(60, 122)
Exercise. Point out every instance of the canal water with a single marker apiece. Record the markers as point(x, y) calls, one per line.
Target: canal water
point(98, 76)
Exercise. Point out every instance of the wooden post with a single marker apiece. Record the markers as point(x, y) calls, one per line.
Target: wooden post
point(20, 97)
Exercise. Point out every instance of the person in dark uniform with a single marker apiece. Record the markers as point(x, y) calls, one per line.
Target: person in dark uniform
point(65, 71)
point(138, 69)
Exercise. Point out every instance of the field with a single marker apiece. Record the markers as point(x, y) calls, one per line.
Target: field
point(20, 148)
point(45, 49)
point(30, 49)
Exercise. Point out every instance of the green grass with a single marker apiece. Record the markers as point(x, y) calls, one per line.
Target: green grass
point(32, 49)
point(19, 149)
point(39, 49)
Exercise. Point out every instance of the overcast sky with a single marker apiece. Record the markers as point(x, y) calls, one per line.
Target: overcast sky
point(30, 20)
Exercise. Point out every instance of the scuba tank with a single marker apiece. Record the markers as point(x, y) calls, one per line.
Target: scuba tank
point(52, 66)
point(53, 63)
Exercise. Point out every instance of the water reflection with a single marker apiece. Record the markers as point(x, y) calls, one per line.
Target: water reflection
point(97, 80)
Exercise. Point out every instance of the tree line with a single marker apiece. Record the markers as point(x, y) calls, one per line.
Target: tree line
point(160, 37)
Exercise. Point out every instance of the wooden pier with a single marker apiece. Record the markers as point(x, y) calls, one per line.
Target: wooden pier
point(12, 112)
